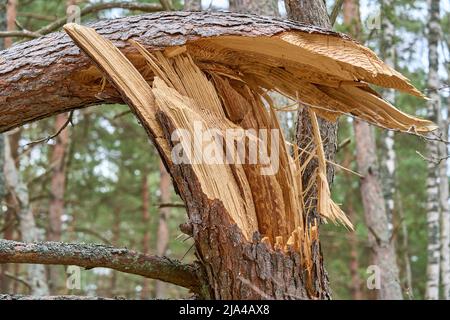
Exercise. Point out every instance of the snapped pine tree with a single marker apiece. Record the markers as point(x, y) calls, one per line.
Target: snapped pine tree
point(254, 236)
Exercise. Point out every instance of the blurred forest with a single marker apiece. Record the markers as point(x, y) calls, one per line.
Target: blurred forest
point(101, 181)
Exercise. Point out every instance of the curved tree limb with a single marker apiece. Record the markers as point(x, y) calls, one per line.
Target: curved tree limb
point(93, 256)
point(57, 77)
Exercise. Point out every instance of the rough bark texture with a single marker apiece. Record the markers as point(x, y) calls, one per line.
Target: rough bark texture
point(92, 256)
point(52, 70)
point(261, 7)
point(236, 268)
point(162, 240)
point(193, 5)
point(312, 12)
point(433, 108)
point(384, 255)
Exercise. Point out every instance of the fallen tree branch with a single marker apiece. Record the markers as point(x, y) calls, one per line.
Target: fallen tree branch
point(92, 256)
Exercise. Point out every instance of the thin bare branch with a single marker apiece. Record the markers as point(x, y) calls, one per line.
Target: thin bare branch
point(46, 139)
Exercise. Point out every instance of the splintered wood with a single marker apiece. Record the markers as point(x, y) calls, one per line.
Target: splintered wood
point(221, 83)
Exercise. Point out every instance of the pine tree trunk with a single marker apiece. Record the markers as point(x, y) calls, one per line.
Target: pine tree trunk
point(192, 5)
point(384, 255)
point(433, 109)
point(163, 229)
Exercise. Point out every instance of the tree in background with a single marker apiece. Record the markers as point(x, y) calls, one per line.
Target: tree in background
point(433, 108)
point(163, 228)
point(383, 250)
point(261, 7)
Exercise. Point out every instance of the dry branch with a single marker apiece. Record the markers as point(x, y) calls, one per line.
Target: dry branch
point(92, 256)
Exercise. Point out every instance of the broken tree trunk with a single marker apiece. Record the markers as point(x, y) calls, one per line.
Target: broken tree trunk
point(94, 256)
point(213, 70)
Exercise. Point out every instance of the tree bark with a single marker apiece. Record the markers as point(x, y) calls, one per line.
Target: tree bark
point(93, 256)
point(313, 12)
point(433, 109)
point(384, 255)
